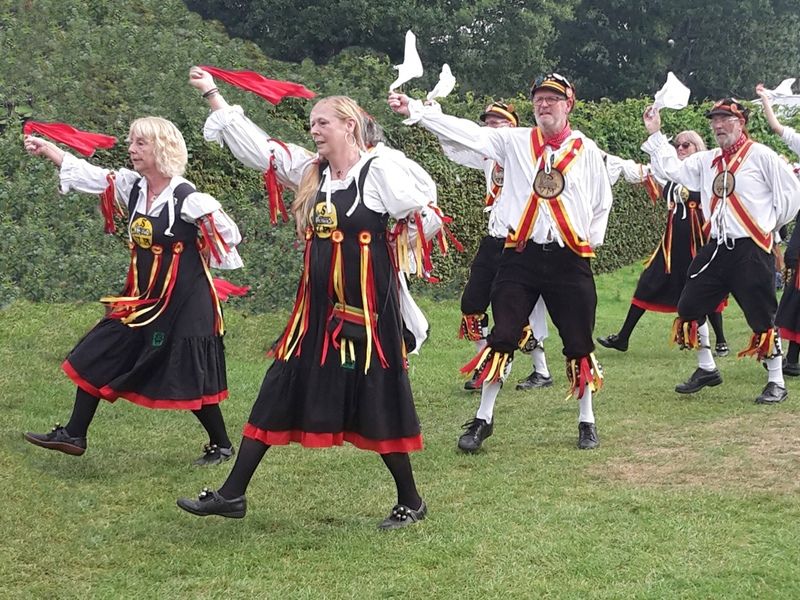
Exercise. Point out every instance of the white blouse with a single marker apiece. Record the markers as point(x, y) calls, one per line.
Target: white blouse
point(82, 176)
point(394, 184)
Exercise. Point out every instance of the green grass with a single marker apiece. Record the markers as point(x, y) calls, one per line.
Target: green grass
point(687, 497)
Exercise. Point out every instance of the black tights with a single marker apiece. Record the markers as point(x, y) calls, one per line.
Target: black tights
point(635, 313)
point(793, 353)
point(210, 417)
point(252, 451)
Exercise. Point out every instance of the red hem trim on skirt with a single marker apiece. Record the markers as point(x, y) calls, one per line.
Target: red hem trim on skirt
point(662, 308)
point(111, 395)
point(326, 440)
point(788, 334)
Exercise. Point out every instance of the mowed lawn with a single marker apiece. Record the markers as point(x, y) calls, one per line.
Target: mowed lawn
point(687, 496)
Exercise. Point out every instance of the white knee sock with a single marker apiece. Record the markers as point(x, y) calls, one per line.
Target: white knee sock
point(540, 362)
point(489, 393)
point(480, 345)
point(775, 370)
point(585, 405)
point(705, 360)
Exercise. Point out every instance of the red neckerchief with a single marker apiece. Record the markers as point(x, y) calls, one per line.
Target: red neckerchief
point(558, 139)
point(729, 151)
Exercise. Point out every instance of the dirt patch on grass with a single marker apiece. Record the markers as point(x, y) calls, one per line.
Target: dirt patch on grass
point(753, 453)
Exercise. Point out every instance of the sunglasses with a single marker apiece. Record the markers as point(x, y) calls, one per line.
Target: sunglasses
point(684, 145)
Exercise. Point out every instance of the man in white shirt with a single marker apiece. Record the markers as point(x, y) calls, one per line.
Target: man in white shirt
point(747, 192)
point(556, 200)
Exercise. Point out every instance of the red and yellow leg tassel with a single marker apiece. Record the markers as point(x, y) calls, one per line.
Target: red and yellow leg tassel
point(491, 366)
point(684, 333)
point(582, 373)
point(763, 345)
point(472, 327)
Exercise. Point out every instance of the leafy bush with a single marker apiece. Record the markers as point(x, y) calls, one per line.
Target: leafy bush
point(98, 64)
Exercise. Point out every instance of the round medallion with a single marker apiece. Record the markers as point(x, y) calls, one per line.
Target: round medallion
point(684, 193)
point(142, 232)
point(325, 221)
point(548, 185)
point(719, 186)
point(497, 176)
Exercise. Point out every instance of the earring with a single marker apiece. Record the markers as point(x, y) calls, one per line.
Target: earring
point(350, 143)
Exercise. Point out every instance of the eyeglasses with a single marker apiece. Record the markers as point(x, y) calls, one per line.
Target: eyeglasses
point(683, 145)
point(547, 99)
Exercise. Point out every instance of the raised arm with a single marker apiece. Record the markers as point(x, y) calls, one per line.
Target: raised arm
point(36, 146)
point(664, 160)
point(228, 126)
point(768, 112)
point(463, 132)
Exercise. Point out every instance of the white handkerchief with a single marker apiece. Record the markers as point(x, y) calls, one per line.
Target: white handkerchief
point(673, 95)
point(782, 95)
point(445, 84)
point(412, 65)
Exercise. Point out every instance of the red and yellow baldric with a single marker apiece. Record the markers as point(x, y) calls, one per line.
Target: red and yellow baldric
point(519, 238)
point(762, 239)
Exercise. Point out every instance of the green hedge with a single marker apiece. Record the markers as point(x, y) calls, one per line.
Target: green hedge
point(98, 64)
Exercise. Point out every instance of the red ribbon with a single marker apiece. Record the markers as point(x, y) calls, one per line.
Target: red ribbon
point(225, 289)
point(84, 142)
point(272, 90)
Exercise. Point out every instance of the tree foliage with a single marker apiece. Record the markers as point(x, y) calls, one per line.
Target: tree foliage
point(492, 46)
point(619, 49)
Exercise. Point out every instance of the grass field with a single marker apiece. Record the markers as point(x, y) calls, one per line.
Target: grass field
point(687, 497)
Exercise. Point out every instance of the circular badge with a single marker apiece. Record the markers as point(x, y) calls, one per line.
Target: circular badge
point(325, 221)
point(548, 185)
point(718, 186)
point(684, 193)
point(498, 176)
point(142, 232)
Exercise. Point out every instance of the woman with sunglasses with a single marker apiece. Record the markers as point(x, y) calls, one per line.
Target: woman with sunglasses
point(662, 281)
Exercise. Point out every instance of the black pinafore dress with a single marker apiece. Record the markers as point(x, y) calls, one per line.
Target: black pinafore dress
point(170, 355)
point(660, 287)
point(317, 392)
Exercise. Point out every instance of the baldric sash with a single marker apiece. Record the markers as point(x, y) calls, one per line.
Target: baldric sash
point(547, 183)
point(724, 187)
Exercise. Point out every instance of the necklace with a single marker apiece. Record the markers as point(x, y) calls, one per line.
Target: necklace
point(340, 173)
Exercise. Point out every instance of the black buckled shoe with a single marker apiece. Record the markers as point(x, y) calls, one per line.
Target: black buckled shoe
point(402, 516)
point(57, 439)
point(533, 381)
point(791, 369)
point(614, 341)
point(472, 385)
point(477, 430)
point(209, 502)
point(772, 394)
point(721, 349)
point(214, 455)
point(587, 436)
point(699, 379)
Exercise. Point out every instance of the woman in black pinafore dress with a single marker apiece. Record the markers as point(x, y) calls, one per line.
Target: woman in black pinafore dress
point(339, 373)
point(160, 343)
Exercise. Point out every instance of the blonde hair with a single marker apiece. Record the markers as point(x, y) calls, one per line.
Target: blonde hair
point(344, 108)
point(694, 138)
point(169, 145)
